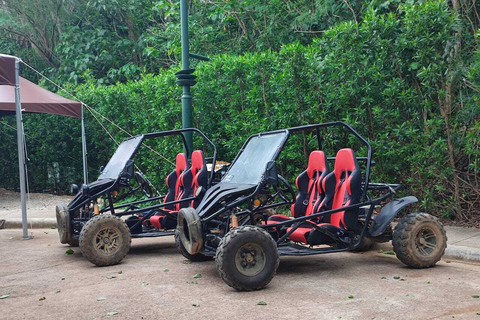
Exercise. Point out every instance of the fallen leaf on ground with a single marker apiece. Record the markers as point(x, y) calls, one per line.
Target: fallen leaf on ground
point(5, 296)
point(192, 282)
point(196, 304)
point(198, 275)
point(144, 284)
point(428, 282)
point(410, 296)
point(113, 313)
point(383, 278)
point(321, 260)
point(350, 297)
point(120, 272)
point(166, 270)
point(52, 227)
point(63, 278)
point(42, 298)
point(111, 277)
point(101, 298)
point(390, 253)
point(58, 291)
point(69, 251)
point(396, 277)
point(475, 296)
point(45, 232)
point(262, 303)
point(187, 262)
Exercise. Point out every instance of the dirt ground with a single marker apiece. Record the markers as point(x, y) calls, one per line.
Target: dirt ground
point(153, 281)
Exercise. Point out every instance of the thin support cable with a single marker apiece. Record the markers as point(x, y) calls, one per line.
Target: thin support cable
point(119, 144)
point(90, 108)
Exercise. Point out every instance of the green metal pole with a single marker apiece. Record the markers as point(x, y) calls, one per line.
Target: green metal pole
point(187, 110)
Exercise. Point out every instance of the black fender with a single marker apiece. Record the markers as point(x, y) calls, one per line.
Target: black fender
point(382, 220)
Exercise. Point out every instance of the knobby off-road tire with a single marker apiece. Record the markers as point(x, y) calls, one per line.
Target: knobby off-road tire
point(105, 240)
point(63, 225)
point(192, 257)
point(189, 229)
point(419, 240)
point(247, 258)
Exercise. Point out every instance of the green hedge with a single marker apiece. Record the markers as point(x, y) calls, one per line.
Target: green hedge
point(385, 76)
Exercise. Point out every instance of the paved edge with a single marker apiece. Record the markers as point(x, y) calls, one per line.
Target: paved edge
point(451, 252)
point(33, 223)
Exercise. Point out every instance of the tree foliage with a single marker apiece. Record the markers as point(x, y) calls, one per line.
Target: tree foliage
point(404, 74)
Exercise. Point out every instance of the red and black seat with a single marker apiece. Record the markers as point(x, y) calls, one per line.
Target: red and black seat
point(173, 181)
point(348, 181)
point(187, 183)
point(315, 191)
point(175, 191)
point(196, 176)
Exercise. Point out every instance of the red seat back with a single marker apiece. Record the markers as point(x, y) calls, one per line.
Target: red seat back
point(174, 181)
point(309, 184)
point(194, 177)
point(347, 189)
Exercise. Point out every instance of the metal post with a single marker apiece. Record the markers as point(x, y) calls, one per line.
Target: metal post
point(187, 110)
point(21, 150)
point(84, 151)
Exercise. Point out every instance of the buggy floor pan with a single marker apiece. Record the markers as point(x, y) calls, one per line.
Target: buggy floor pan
point(153, 234)
point(292, 249)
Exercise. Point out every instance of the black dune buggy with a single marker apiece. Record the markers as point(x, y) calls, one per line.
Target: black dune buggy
point(93, 220)
point(334, 210)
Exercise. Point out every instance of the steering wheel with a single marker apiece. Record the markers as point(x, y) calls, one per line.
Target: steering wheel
point(285, 190)
point(143, 184)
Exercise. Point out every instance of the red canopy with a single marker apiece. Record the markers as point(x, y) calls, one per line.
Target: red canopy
point(36, 99)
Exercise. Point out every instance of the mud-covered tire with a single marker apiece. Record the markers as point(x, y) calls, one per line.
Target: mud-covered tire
point(365, 245)
point(419, 240)
point(192, 257)
point(105, 240)
point(247, 258)
point(189, 228)
point(63, 223)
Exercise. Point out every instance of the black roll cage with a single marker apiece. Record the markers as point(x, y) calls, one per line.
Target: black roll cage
point(131, 206)
point(296, 222)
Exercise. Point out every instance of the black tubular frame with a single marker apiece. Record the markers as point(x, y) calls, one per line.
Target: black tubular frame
point(296, 222)
point(131, 207)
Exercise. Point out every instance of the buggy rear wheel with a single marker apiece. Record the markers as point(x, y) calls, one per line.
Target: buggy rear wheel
point(419, 240)
point(192, 257)
point(189, 229)
point(63, 225)
point(247, 258)
point(105, 240)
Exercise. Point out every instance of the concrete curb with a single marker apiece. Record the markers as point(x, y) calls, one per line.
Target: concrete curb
point(462, 253)
point(451, 252)
point(34, 223)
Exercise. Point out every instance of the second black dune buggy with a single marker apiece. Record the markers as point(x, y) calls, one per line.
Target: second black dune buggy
point(335, 210)
point(121, 203)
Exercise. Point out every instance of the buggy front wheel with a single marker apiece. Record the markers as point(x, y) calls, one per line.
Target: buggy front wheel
point(419, 240)
point(105, 240)
point(247, 258)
